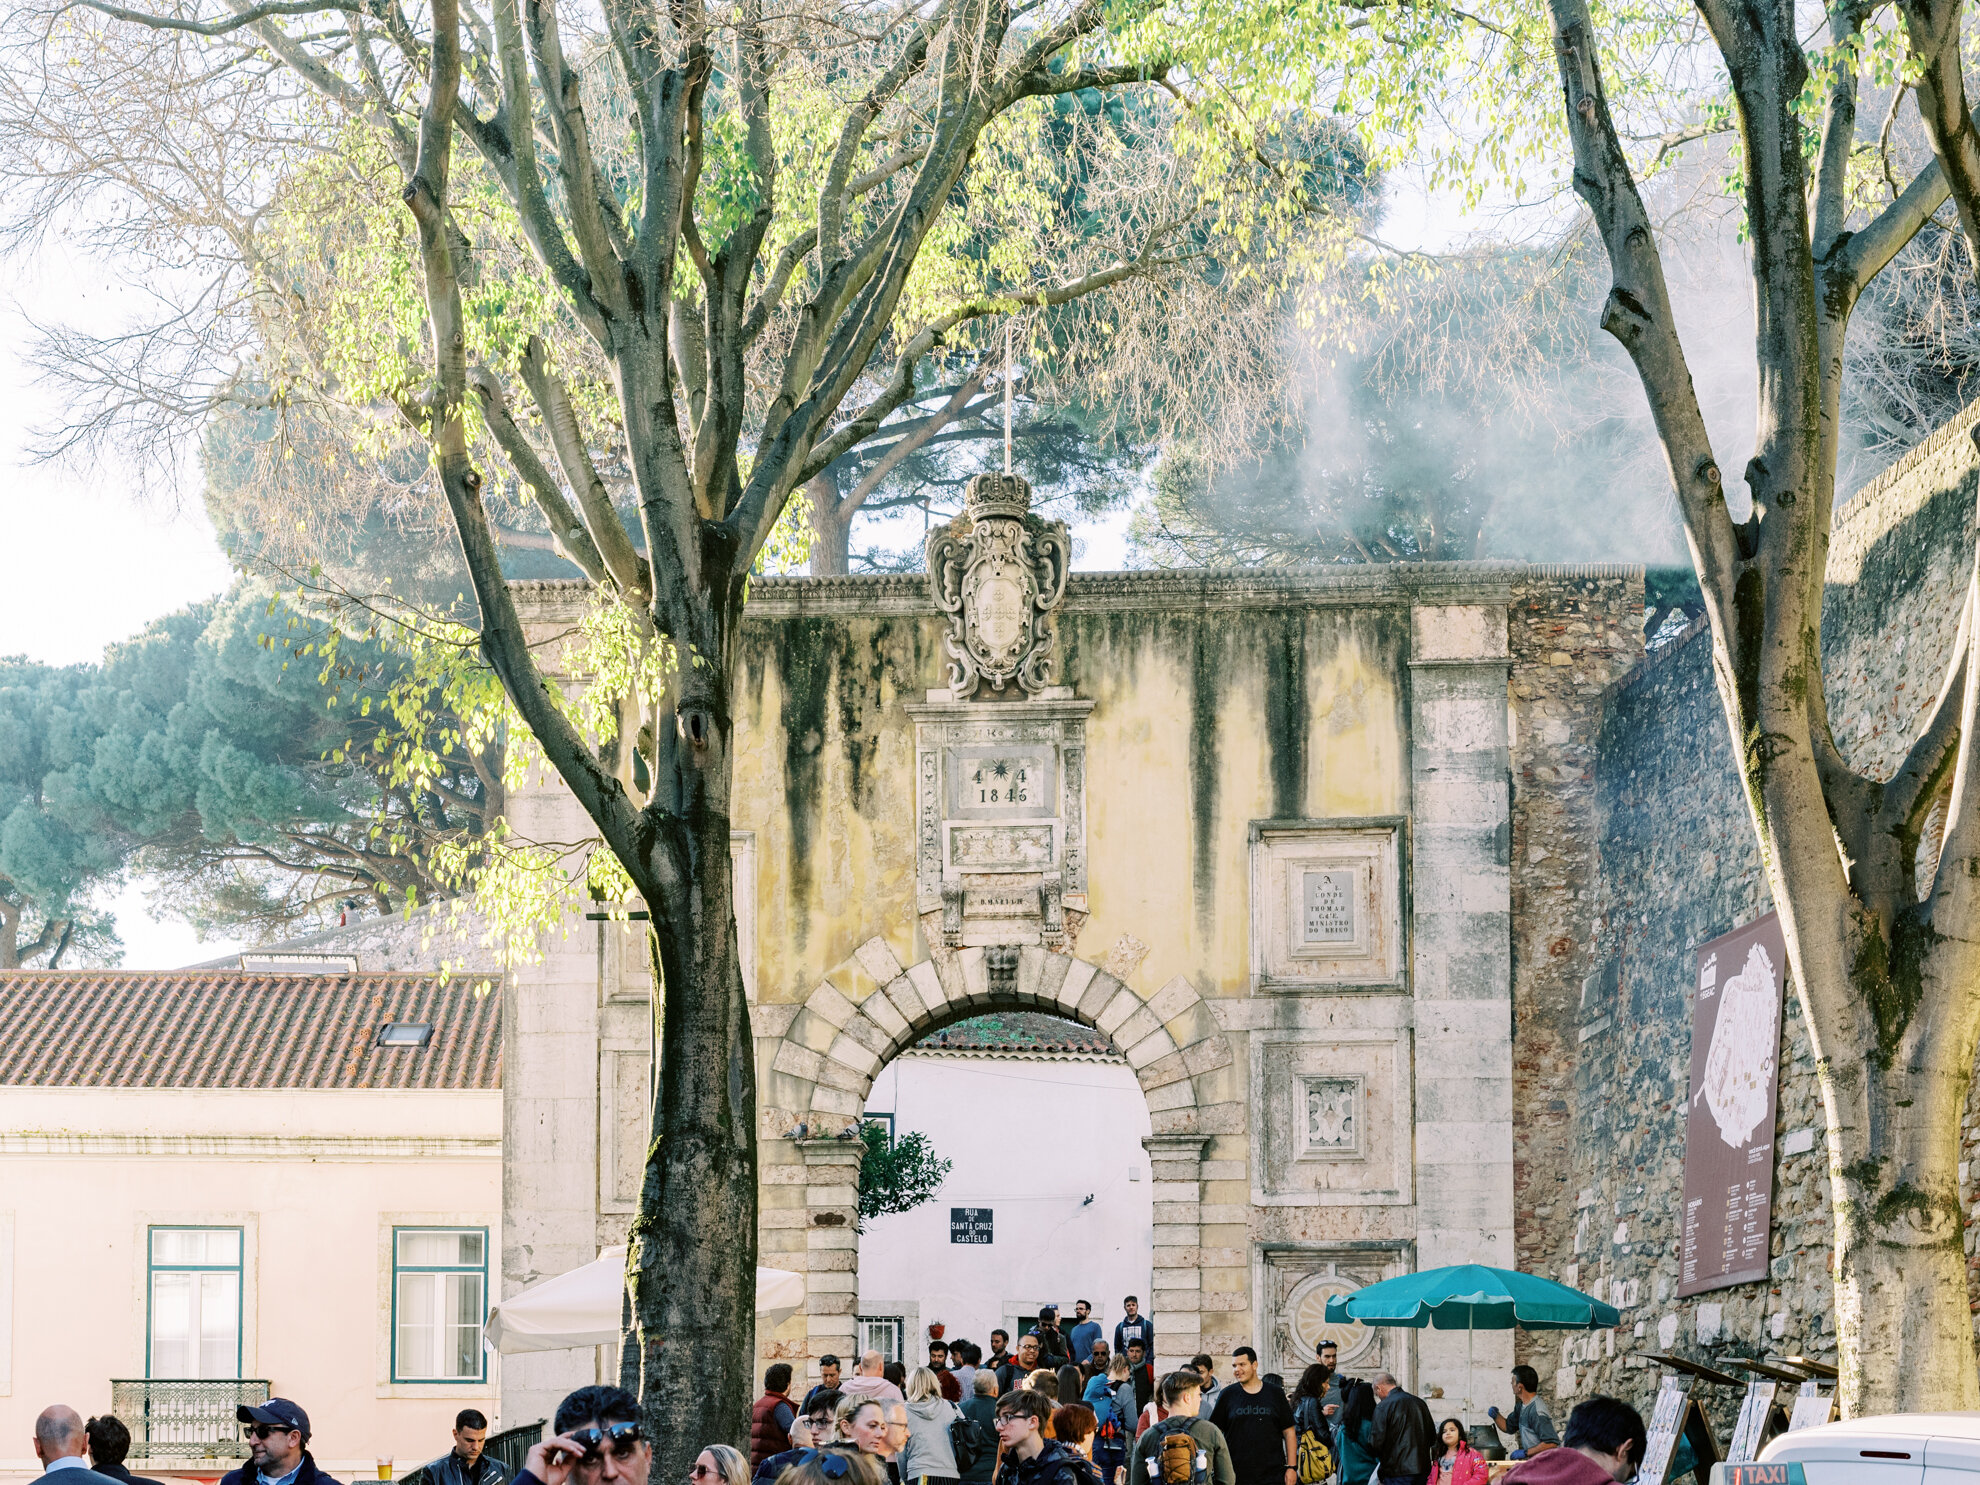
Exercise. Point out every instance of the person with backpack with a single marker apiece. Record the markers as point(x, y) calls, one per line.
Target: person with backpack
point(1029, 1458)
point(979, 1411)
point(930, 1452)
point(1181, 1448)
point(1112, 1399)
point(1313, 1432)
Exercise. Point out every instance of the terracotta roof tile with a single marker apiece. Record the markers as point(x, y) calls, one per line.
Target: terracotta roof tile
point(1019, 1032)
point(229, 1029)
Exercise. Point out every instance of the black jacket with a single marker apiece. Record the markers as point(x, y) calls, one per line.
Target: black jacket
point(1055, 1465)
point(247, 1474)
point(118, 1472)
point(1404, 1435)
point(449, 1470)
point(1053, 1351)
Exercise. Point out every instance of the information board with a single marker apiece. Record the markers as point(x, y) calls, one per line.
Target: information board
point(971, 1224)
point(1729, 1117)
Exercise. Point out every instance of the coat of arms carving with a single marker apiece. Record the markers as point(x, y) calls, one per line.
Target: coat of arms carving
point(998, 572)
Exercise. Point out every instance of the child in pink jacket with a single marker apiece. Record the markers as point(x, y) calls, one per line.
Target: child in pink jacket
point(1457, 1463)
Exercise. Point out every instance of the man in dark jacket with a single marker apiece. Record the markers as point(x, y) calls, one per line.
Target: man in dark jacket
point(1053, 1352)
point(278, 1447)
point(1134, 1326)
point(467, 1463)
point(980, 1408)
point(1404, 1435)
point(811, 1431)
point(1029, 1457)
point(109, 1447)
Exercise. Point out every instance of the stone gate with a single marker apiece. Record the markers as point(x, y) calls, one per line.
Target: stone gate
point(1257, 827)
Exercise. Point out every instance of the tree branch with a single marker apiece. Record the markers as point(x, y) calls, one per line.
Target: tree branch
point(248, 17)
point(614, 547)
point(567, 532)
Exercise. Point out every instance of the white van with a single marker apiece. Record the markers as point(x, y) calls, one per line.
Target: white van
point(1901, 1449)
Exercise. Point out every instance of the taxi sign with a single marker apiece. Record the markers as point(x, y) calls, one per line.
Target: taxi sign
point(1786, 1472)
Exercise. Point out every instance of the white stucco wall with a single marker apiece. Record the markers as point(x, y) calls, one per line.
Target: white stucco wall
point(316, 1180)
point(1031, 1140)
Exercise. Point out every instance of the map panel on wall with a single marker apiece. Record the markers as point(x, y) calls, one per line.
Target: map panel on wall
point(1729, 1118)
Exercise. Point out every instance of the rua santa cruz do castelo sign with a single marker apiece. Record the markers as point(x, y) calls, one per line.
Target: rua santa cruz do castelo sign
point(1729, 1117)
point(971, 1224)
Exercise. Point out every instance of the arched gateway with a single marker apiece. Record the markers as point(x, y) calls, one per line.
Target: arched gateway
point(1309, 847)
point(839, 1039)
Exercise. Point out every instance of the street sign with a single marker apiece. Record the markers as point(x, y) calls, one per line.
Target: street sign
point(971, 1224)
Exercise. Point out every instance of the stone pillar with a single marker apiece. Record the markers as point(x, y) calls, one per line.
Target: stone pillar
point(1175, 1302)
point(831, 1280)
point(550, 1122)
point(1462, 941)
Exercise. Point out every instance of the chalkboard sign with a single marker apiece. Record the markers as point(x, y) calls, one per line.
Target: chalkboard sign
point(971, 1224)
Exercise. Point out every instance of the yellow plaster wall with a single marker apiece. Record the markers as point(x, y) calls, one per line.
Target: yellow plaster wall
point(1182, 755)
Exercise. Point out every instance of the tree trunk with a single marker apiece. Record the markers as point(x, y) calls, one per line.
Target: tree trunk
point(693, 1247)
point(831, 529)
point(1904, 1331)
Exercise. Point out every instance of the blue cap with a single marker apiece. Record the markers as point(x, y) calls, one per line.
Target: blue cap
point(277, 1412)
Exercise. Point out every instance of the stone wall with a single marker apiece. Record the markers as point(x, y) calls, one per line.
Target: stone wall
point(1570, 640)
point(1678, 866)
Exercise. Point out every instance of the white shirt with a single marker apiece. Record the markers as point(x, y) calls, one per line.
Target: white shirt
point(284, 1479)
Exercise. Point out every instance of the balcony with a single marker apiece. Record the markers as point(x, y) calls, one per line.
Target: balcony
point(183, 1420)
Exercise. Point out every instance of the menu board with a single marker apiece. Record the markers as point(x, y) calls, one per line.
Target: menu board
point(1750, 1432)
point(1666, 1423)
point(1729, 1117)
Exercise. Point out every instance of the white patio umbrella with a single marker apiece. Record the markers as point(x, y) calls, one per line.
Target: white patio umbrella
point(581, 1308)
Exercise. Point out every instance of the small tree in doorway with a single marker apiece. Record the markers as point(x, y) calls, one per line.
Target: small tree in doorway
point(897, 1175)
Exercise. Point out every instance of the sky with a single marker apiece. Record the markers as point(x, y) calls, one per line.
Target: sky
point(85, 561)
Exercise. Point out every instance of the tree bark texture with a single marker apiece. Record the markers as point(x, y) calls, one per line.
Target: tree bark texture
point(1884, 964)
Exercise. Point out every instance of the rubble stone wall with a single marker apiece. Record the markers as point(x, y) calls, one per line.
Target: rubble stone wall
point(1678, 866)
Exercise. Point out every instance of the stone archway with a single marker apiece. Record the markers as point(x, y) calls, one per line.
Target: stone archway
point(819, 1067)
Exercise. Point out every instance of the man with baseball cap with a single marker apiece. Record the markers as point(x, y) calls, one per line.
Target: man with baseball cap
point(277, 1440)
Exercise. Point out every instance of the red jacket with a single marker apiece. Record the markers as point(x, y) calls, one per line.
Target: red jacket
point(1470, 1468)
point(766, 1437)
point(1559, 1467)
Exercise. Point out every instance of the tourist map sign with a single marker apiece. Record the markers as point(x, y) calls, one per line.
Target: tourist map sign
point(971, 1224)
point(1729, 1116)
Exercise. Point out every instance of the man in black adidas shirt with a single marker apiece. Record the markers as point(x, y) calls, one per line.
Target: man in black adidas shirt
point(1257, 1422)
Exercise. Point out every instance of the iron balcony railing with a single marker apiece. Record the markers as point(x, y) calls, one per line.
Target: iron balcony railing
point(184, 1420)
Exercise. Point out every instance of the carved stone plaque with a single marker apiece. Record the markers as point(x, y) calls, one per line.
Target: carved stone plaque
point(1001, 831)
point(1294, 1283)
point(1333, 1117)
point(998, 572)
point(1326, 904)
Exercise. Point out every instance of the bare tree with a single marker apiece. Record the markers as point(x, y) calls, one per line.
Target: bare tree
point(1880, 928)
point(696, 241)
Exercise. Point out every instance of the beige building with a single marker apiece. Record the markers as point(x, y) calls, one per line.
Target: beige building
point(216, 1185)
point(1256, 828)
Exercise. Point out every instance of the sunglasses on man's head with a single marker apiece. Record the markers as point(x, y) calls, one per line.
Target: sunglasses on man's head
point(832, 1463)
point(624, 1438)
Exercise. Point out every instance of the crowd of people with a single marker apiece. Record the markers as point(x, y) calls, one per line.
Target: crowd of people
point(1063, 1408)
point(1067, 1408)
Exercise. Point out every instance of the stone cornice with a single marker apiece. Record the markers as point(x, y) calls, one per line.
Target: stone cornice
point(1148, 590)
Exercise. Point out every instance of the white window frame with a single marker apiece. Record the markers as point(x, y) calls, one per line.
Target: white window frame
point(480, 1378)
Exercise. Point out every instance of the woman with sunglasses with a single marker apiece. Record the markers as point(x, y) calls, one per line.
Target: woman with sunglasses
point(719, 1464)
point(930, 1454)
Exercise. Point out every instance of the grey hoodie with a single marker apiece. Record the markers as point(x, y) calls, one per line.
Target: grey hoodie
point(927, 1451)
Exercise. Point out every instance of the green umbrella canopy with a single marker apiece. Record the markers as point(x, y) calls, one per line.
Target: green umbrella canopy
point(1471, 1296)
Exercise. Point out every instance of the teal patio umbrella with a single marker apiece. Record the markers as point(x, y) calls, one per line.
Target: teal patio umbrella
point(1471, 1297)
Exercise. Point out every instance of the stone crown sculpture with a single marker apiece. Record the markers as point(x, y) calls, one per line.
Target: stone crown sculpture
point(997, 572)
